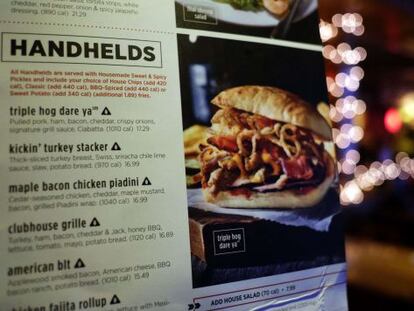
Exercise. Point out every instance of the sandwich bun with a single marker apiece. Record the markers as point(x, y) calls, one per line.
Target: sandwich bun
point(275, 104)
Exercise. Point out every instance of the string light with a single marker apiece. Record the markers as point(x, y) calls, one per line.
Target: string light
point(406, 108)
point(328, 31)
point(366, 179)
point(350, 23)
point(344, 53)
point(392, 121)
point(361, 178)
point(351, 193)
point(348, 107)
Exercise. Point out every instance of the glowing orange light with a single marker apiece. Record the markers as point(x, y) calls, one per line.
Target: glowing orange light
point(392, 121)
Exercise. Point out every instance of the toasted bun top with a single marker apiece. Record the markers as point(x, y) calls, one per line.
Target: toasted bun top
point(275, 104)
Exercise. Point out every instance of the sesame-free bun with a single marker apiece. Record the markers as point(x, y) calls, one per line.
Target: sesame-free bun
point(275, 104)
point(288, 198)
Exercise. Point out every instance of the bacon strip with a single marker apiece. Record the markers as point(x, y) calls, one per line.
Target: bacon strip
point(227, 143)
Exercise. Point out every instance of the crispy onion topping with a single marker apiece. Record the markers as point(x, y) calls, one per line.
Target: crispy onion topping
point(255, 149)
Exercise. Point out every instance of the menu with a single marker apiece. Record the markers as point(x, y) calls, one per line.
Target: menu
point(167, 155)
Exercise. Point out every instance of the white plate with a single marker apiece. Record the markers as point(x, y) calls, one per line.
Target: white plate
point(227, 13)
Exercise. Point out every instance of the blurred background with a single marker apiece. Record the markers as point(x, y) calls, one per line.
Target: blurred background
point(369, 56)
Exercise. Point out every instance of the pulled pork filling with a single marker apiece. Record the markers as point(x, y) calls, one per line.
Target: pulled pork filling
point(260, 154)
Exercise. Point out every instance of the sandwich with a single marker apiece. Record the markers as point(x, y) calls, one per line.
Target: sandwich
point(265, 150)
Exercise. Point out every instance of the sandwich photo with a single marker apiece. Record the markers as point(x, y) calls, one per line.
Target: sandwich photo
point(265, 149)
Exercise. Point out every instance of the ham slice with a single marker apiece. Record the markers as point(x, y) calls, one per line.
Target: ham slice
point(297, 168)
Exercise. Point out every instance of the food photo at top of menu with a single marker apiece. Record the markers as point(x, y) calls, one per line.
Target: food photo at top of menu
point(293, 20)
point(260, 162)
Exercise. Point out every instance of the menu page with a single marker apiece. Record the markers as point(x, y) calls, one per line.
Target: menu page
point(166, 155)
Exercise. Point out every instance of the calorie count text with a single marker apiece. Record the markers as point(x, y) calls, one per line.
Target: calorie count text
point(138, 128)
point(76, 87)
point(96, 237)
point(26, 206)
point(79, 125)
point(68, 129)
point(115, 201)
point(272, 292)
point(74, 166)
